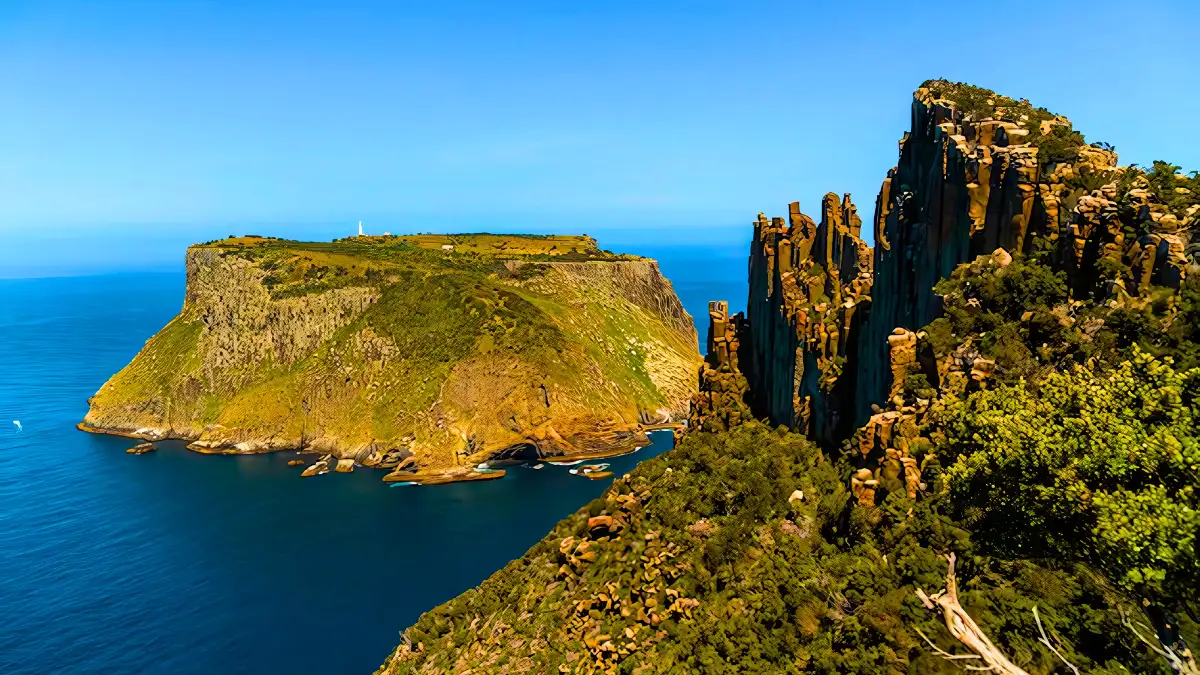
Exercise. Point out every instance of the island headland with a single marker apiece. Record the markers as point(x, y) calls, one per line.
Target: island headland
point(970, 444)
point(421, 354)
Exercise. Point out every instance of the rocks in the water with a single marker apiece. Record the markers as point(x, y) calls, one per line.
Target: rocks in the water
point(598, 475)
point(345, 466)
point(436, 477)
point(141, 449)
point(296, 462)
point(319, 467)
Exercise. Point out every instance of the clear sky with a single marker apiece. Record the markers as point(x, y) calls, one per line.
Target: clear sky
point(129, 129)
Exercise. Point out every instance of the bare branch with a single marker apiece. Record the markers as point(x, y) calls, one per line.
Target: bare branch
point(1184, 665)
point(964, 629)
point(1046, 641)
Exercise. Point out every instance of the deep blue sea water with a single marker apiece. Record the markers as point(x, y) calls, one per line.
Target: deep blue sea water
point(185, 564)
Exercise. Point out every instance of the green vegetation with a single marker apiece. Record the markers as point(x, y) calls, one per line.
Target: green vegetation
point(380, 340)
point(1101, 468)
point(1057, 142)
point(1179, 192)
point(1044, 438)
point(761, 584)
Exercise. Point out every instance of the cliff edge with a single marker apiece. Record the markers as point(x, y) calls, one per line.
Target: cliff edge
point(1004, 392)
point(421, 351)
point(832, 325)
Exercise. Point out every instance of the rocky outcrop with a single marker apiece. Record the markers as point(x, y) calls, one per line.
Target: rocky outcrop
point(830, 336)
point(721, 402)
point(381, 353)
point(141, 449)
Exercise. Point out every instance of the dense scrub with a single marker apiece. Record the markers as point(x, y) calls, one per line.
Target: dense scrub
point(1041, 437)
point(708, 567)
point(1100, 468)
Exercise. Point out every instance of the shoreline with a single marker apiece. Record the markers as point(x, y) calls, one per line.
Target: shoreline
point(442, 477)
point(458, 474)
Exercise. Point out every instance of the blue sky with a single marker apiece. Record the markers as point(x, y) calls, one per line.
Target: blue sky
point(129, 129)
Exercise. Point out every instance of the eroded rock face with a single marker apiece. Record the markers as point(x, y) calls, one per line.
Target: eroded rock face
point(387, 356)
point(829, 334)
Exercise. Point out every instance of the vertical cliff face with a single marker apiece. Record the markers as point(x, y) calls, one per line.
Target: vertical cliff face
point(828, 336)
point(448, 350)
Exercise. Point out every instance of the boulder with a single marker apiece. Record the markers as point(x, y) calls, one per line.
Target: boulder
point(863, 485)
point(141, 449)
point(345, 465)
point(319, 467)
point(600, 526)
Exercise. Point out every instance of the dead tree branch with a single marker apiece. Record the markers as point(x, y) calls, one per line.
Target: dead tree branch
point(1046, 641)
point(1183, 664)
point(964, 629)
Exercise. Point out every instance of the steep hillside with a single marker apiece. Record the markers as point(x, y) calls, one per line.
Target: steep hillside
point(738, 553)
point(445, 349)
point(984, 456)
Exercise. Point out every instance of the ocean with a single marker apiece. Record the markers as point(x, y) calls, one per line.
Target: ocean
point(185, 564)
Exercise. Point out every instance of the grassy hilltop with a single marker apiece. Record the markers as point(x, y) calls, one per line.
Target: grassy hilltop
point(451, 347)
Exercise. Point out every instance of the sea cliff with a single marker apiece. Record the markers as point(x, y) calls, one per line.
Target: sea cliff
point(429, 352)
point(980, 444)
point(830, 329)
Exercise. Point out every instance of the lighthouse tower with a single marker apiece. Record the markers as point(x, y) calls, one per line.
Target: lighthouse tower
point(360, 228)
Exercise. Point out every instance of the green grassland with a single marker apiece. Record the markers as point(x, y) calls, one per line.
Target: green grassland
point(458, 348)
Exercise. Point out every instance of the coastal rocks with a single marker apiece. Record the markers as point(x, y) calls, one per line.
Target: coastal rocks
point(603, 526)
point(436, 477)
point(902, 354)
point(295, 462)
point(635, 604)
point(141, 449)
point(394, 458)
point(317, 468)
point(344, 466)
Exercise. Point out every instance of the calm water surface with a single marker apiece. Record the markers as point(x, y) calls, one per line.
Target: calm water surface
point(178, 563)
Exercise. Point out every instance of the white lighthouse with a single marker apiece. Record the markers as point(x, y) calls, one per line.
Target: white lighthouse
point(360, 228)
